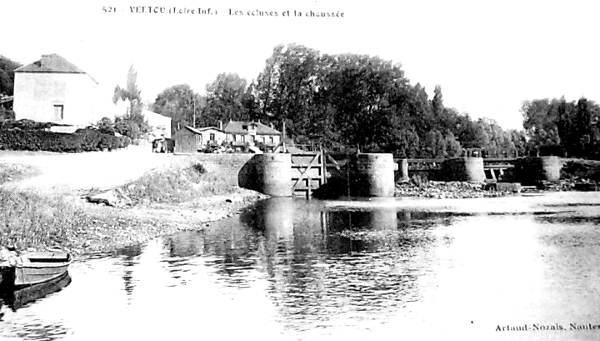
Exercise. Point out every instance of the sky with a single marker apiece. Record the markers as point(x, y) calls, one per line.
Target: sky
point(488, 57)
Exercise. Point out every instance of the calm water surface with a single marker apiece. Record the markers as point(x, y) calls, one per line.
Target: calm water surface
point(344, 270)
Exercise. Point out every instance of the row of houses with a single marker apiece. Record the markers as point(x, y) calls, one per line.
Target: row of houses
point(238, 135)
point(53, 89)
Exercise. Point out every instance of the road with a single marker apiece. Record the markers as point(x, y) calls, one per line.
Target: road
point(74, 172)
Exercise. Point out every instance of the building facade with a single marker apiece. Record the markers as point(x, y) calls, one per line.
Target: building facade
point(241, 133)
point(190, 140)
point(52, 89)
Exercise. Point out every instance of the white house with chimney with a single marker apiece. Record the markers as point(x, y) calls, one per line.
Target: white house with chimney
point(53, 89)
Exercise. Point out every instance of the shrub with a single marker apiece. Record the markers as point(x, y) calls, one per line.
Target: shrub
point(29, 135)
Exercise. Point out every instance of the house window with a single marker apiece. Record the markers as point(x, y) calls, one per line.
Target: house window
point(59, 111)
point(234, 138)
point(252, 138)
point(271, 139)
point(212, 136)
point(264, 140)
point(243, 138)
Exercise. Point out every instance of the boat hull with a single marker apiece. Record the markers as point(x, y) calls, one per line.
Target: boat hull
point(40, 267)
point(19, 297)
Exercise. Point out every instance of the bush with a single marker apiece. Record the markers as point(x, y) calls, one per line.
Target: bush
point(29, 135)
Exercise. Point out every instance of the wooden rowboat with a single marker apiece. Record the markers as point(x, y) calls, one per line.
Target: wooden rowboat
point(40, 267)
point(19, 297)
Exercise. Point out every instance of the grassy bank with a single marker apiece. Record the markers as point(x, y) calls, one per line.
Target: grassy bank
point(164, 202)
point(31, 221)
point(186, 182)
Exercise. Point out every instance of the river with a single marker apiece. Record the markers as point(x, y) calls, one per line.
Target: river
point(515, 268)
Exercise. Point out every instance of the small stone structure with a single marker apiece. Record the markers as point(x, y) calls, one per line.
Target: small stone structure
point(463, 169)
point(375, 175)
point(274, 174)
point(403, 166)
point(545, 168)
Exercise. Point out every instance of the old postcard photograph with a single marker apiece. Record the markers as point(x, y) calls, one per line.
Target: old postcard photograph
point(299, 170)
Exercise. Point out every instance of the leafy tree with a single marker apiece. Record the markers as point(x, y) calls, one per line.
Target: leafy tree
point(452, 147)
point(407, 143)
point(7, 75)
point(133, 124)
point(225, 99)
point(182, 104)
point(287, 90)
point(360, 100)
point(437, 103)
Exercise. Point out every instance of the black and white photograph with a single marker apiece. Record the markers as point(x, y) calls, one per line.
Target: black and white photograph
point(299, 170)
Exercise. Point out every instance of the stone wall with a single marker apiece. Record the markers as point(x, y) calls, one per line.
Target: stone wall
point(230, 166)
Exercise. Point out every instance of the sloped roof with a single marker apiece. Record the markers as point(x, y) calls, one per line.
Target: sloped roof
point(237, 127)
point(200, 130)
point(51, 63)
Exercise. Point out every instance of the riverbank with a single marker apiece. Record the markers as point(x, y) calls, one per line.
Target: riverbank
point(177, 195)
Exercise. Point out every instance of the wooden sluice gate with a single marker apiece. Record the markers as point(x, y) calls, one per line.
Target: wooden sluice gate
point(308, 173)
point(365, 174)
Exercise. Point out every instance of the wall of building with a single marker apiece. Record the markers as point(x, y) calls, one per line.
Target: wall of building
point(185, 141)
point(219, 136)
point(161, 125)
point(36, 94)
point(259, 138)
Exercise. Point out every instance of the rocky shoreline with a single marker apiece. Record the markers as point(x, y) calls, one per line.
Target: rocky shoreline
point(448, 190)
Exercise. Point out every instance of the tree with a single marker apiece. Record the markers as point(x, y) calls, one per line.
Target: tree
point(452, 147)
point(7, 75)
point(182, 104)
point(133, 124)
point(225, 99)
point(540, 119)
point(437, 103)
point(360, 100)
point(288, 87)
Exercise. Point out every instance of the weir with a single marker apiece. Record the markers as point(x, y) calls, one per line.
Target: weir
point(327, 175)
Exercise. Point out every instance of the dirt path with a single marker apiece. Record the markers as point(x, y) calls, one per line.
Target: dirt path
point(76, 172)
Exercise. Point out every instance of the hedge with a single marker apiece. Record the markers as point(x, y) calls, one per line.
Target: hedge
point(34, 139)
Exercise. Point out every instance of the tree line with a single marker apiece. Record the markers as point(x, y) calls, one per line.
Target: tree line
point(350, 100)
point(345, 100)
point(557, 127)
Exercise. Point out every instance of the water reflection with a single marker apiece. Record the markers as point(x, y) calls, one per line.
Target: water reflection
point(129, 255)
point(292, 269)
point(34, 329)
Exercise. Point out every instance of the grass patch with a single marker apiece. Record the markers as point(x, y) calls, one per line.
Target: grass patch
point(30, 221)
point(177, 185)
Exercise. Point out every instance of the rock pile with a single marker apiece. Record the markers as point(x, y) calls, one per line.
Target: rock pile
point(449, 190)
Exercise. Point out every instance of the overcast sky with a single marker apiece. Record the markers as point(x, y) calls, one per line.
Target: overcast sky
point(487, 56)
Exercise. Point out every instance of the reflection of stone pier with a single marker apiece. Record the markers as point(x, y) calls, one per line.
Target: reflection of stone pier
point(277, 217)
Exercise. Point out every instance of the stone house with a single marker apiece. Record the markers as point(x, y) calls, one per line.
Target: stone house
point(53, 89)
point(241, 133)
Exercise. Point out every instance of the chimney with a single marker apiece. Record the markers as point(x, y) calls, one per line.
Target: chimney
point(221, 124)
